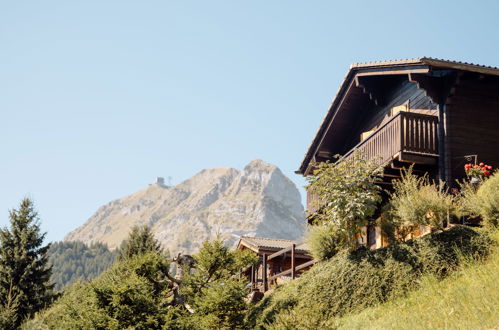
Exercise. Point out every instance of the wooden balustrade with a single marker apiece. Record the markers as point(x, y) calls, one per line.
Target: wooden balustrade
point(406, 132)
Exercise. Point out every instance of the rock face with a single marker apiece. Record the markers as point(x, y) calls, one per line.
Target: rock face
point(257, 201)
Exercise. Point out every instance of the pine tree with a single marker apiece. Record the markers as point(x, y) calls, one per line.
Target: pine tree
point(25, 286)
point(140, 240)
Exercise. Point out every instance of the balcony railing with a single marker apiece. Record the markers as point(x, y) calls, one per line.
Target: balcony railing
point(407, 133)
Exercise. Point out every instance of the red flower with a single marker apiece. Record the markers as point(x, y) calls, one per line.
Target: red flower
point(481, 164)
point(489, 167)
point(476, 166)
point(486, 173)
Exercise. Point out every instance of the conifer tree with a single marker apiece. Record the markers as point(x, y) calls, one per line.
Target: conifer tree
point(25, 286)
point(140, 240)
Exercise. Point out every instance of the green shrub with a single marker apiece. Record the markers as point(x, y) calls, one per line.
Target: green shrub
point(484, 201)
point(324, 241)
point(416, 201)
point(130, 294)
point(353, 281)
point(347, 194)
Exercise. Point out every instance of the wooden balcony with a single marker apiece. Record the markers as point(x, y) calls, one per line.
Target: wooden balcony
point(408, 137)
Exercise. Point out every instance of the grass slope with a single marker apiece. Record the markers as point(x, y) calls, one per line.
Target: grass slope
point(466, 300)
point(333, 292)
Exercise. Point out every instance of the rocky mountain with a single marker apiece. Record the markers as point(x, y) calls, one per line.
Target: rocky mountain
point(257, 201)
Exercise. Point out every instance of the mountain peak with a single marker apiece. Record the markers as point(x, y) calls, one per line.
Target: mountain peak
point(259, 165)
point(258, 200)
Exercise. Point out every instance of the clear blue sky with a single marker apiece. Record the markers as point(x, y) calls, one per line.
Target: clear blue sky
point(98, 98)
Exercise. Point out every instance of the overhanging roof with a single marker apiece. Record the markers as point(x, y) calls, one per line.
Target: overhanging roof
point(415, 65)
point(270, 244)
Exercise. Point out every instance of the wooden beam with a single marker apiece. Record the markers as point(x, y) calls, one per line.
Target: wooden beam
point(388, 175)
point(293, 261)
point(305, 265)
point(278, 253)
point(297, 268)
point(417, 159)
point(383, 182)
point(391, 72)
point(264, 273)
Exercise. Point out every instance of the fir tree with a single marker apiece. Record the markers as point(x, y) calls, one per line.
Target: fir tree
point(140, 240)
point(25, 286)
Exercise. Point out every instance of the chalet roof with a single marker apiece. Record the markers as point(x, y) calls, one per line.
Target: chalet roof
point(272, 244)
point(433, 62)
point(383, 67)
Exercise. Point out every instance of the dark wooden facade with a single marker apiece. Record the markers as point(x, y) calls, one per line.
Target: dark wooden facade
point(428, 112)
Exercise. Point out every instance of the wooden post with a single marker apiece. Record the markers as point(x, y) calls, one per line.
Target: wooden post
point(264, 273)
point(293, 261)
point(252, 276)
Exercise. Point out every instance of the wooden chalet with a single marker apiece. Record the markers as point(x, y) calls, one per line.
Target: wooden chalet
point(435, 114)
point(279, 260)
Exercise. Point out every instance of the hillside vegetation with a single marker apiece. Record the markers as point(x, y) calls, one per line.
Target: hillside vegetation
point(350, 282)
point(466, 300)
point(76, 260)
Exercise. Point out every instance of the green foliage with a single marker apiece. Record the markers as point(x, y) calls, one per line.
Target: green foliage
point(76, 260)
point(221, 305)
point(214, 290)
point(415, 201)
point(136, 293)
point(347, 195)
point(324, 241)
point(352, 281)
point(129, 295)
point(215, 261)
point(482, 201)
point(25, 284)
point(140, 240)
point(467, 299)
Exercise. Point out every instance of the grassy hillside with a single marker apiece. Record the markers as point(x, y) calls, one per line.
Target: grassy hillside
point(351, 289)
point(468, 299)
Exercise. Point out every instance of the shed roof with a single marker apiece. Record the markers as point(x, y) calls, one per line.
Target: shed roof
point(389, 65)
point(272, 244)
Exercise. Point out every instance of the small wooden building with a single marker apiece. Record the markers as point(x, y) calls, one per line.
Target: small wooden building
point(282, 259)
point(435, 114)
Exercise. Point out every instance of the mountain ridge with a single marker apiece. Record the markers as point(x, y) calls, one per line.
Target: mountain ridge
point(258, 200)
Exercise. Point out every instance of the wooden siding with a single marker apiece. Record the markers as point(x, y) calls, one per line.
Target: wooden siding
point(473, 123)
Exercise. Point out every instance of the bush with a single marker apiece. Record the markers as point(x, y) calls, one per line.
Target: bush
point(324, 241)
point(347, 194)
point(353, 281)
point(415, 201)
point(130, 294)
point(484, 201)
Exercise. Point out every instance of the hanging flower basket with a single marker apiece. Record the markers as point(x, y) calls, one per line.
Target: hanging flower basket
point(477, 173)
